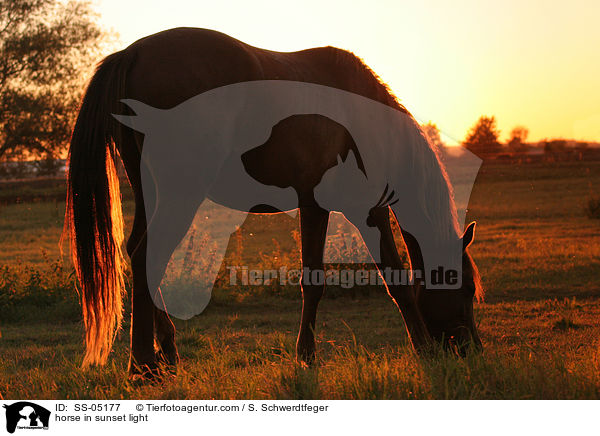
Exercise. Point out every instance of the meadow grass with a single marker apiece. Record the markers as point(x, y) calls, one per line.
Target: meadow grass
point(245, 350)
point(539, 256)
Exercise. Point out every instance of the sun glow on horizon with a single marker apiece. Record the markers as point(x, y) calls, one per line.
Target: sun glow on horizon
point(527, 63)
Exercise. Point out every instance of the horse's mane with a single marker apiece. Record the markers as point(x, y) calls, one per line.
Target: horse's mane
point(435, 193)
point(434, 190)
point(479, 292)
point(436, 199)
point(379, 89)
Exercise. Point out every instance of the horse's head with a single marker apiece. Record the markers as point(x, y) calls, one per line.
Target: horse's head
point(448, 313)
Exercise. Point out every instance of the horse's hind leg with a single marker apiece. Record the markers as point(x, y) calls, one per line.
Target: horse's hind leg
point(403, 294)
point(143, 358)
point(313, 228)
point(165, 338)
point(145, 316)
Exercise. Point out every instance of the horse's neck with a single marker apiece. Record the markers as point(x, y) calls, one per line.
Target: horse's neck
point(426, 208)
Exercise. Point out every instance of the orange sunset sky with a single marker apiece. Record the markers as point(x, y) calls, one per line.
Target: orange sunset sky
point(532, 63)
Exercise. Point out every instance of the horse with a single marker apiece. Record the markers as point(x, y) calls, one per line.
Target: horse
point(168, 70)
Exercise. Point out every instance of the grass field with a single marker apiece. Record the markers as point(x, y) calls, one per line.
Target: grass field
point(538, 253)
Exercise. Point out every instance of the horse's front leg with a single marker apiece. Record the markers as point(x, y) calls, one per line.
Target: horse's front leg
point(403, 294)
point(313, 228)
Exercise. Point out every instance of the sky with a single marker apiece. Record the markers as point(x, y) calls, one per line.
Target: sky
point(527, 62)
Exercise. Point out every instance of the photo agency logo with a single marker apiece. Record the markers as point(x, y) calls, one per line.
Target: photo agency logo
point(25, 415)
point(278, 146)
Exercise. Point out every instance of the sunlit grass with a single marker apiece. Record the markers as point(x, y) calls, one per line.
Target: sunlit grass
point(539, 255)
point(238, 352)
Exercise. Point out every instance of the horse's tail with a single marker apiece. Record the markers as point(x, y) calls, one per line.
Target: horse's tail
point(94, 220)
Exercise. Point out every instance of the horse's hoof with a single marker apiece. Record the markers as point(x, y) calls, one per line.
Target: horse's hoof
point(168, 359)
point(306, 356)
point(426, 349)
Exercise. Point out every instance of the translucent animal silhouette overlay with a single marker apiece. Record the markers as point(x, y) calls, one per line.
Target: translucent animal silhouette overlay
point(196, 188)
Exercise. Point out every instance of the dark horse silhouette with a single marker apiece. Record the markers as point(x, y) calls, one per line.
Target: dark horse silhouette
point(172, 67)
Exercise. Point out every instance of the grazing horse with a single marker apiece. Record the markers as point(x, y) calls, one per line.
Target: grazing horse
point(331, 169)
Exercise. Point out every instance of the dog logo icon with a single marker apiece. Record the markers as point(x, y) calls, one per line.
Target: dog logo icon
point(26, 415)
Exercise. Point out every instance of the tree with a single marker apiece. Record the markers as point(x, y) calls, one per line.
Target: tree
point(518, 138)
point(482, 139)
point(433, 134)
point(46, 46)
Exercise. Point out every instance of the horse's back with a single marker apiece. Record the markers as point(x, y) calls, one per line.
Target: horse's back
point(175, 65)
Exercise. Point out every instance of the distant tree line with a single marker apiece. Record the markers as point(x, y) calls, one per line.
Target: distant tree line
point(483, 139)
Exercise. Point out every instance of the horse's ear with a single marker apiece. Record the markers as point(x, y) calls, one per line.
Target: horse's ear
point(469, 235)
